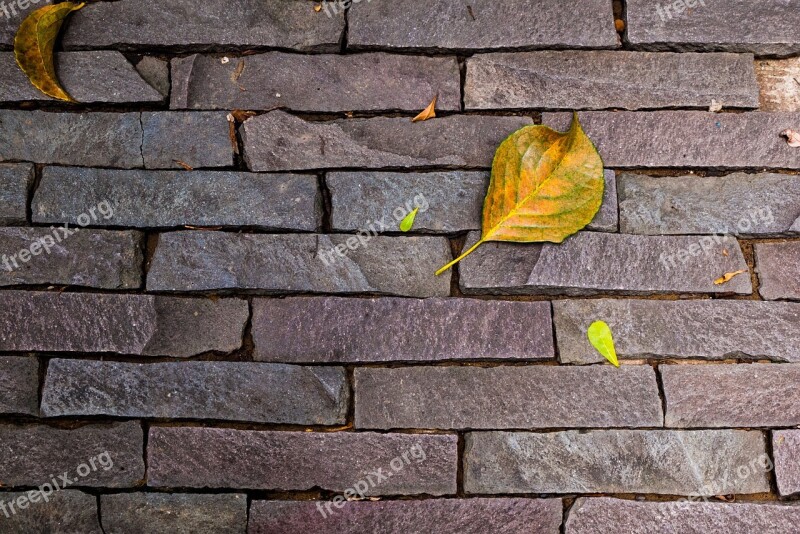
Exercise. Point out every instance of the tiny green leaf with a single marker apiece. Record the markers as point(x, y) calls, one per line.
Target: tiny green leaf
point(408, 220)
point(600, 337)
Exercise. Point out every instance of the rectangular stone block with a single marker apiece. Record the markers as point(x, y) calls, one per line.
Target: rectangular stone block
point(786, 448)
point(483, 24)
point(507, 397)
point(764, 28)
point(15, 181)
point(64, 511)
point(290, 24)
point(19, 385)
point(278, 141)
point(601, 515)
point(194, 457)
point(778, 86)
point(176, 512)
point(103, 76)
point(90, 258)
point(166, 199)
point(346, 330)
point(589, 263)
point(739, 204)
point(608, 79)
point(778, 268)
point(614, 461)
point(99, 456)
point(294, 263)
point(443, 516)
point(687, 139)
point(705, 329)
point(228, 391)
point(143, 325)
point(360, 82)
point(756, 395)
point(198, 139)
point(83, 139)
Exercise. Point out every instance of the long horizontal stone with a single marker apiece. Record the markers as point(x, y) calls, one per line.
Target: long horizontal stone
point(596, 262)
point(765, 28)
point(483, 24)
point(687, 139)
point(64, 511)
point(602, 515)
point(614, 461)
point(786, 448)
point(91, 258)
point(443, 516)
point(345, 330)
point(708, 329)
point(198, 139)
point(164, 199)
point(738, 204)
point(278, 141)
point(507, 397)
point(83, 139)
point(777, 268)
point(19, 385)
point(230, 391)
point(15, 181)
point(177, 512)
point(720, 396)
point(366, 82)
point(128, 324)
point(300, 263)
point(609, 79)
point(224, 458)
point(290, 24)
point(778, 89)
point(104, 456)
point(103, 76)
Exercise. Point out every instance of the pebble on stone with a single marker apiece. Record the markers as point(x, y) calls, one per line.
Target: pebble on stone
point(198, 139)
point(177, 513)
point(778, 268)
point(15, 181)
point(19, 385)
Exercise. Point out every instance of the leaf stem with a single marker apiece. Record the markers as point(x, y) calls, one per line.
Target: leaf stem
point(458, 259)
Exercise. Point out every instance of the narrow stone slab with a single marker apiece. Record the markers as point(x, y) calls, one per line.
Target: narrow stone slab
point(278, 141)
point(765, 28)
point(36, 454)
point(333, 329)
point(89, 77)
point(91, 258)
point(195, 457)
point(777, 81)
point(290, 24)
point(15, 181)
point(786, 448)
point(708, 329)
point(19, 385)
point(605, 79)
point(128, 324)
point(443, 516)
point(738, 204)
point(300, 263)
point(613, 461)
point(366, 82)
point(177, 512)
point(164, 199)
point(507, 397)
point(229, 391)
point(83, 139)
point(595, 262)
point(688, 138)
point(778, 271)
point(64, 511)
point(198, 139)
point(485, 25)
point(601, 515)
point(720, 396)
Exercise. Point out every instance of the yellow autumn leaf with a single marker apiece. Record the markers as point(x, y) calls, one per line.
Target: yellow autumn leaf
point(545, 186)
point(600, 337)
point(408, 220)
point(33, 47)
point(427, 113)
point(727, 276)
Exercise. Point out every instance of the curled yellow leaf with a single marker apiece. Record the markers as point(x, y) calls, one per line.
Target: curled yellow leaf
point(427, 113)
point(727, 276)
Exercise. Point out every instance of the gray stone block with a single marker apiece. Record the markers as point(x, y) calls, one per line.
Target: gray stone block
point(65, 512)
point(15, 181)
point(786, 448)
point(19, 385)
point(778, 268)
point(198, 139)
point(156, 73)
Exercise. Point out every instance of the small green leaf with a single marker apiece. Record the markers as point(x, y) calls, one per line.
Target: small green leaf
point(408, 221)
point(600, 337)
